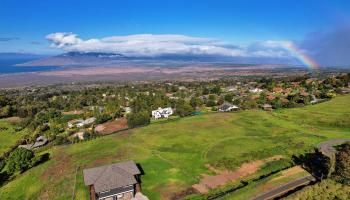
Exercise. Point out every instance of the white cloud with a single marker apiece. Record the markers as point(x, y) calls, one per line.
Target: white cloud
point(155, 45)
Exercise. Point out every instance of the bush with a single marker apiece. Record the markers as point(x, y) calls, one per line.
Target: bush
point(102, 118)
point(184, 109)
point(20, 160)
point(60, 140)
point(138, 119)
point(342, 166)
point(210, 103)
point(40, 159)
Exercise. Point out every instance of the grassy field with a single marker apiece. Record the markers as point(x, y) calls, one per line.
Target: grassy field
point(8, 135)
point(173, 154)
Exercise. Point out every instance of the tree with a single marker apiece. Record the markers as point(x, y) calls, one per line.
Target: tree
point(183, 109)
point(342, 164)
point(102, 118)
point(196, 102)
point(6, 111)
point(20, 160)
point(138, 119)
point(205, 91)
point(229, 97)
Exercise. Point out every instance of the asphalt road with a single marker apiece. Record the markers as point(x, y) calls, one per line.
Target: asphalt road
point(284, 188)
point(327, 147)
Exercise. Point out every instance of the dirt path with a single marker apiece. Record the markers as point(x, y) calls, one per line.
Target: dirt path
point(223, 177)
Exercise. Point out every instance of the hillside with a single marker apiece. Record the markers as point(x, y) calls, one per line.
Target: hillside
point(174, 154)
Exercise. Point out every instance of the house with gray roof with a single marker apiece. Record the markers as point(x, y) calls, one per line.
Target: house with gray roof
point(39, 142)
point(119, 181)
point(227, 107)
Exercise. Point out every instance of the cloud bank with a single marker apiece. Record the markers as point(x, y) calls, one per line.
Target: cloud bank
point(166, 44)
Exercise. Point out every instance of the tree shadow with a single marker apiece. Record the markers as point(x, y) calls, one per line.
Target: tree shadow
point(315, 163)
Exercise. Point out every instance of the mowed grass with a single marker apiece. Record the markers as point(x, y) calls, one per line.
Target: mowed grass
point(8, 135)
point(173, 154)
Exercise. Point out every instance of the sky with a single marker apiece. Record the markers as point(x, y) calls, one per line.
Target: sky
point(230, 28)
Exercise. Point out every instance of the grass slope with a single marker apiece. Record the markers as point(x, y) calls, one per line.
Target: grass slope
point(173, 154)
point(8, 135)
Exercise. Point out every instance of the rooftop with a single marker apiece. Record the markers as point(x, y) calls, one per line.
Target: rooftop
point(111, 176)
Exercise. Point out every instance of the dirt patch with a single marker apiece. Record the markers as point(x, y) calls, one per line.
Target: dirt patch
point(13, 120)
point(112, 126)
point(223, 177)
point(61, 169)
point(73, 112)
point(290, 172)
point(173, 191)
point(62, 164)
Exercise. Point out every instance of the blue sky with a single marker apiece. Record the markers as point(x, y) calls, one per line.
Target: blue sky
point(25, 24)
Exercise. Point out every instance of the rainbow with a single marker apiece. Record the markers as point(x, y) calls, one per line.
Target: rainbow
point(300, 55)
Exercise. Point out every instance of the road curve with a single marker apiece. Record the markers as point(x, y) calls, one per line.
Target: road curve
point(284, 188)
point(327, 147)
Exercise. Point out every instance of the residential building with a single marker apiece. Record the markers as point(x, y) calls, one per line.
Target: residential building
point(39, 142)
point(76, 123)
point(227, 107)
point(119, 181)
point(162, 113)
point(267, 107)
point(89, 120)
point(255, 90)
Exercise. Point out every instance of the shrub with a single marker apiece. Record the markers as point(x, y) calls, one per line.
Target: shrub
point(138, 119)
point(20, 160)
point(61, 140)
point(102, 118)
point(40, 159)
point(342, 166)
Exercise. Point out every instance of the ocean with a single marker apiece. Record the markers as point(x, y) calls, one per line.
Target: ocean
point(7, 66)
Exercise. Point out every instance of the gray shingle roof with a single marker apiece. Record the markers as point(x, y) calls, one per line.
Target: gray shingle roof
point(111, 176)
point(225, 106)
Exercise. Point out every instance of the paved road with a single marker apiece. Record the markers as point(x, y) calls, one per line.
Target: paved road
point(327, 147)
point(284, 188)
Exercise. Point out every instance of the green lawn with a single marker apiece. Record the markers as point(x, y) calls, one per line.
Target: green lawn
point(173, 154)
point(8, 135)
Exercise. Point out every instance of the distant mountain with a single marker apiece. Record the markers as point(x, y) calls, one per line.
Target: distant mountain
point(73, 59)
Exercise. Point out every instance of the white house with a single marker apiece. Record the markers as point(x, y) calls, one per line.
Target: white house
point(162, 113)
point(76, 123)
point(80, 122)
point(89, 120)
point(227, 107)
point(255, 90)
point(127, 110)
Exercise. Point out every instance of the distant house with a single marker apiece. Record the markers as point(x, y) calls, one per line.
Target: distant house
point(267, 107)
point(79, 135)
point(89, 120)
point(162, 113)
point(115, 181)
point(39, 142)
point(231, 89)
point(227, 107)
point(345, 91)
point(314, 99)
point(127, 110)
point(80, 122)
point(76, 123)
point(255, 90)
